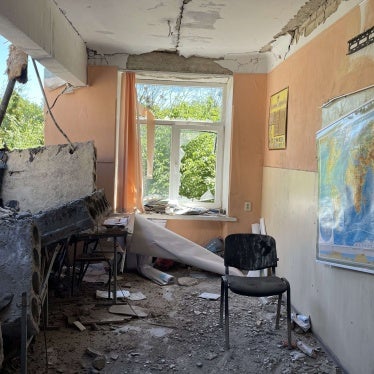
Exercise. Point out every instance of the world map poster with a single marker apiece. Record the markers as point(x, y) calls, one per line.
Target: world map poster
point(346, 191)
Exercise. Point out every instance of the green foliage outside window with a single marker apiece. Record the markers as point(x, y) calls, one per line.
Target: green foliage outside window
point(206, 110)
point(23, 124)
point(198, 161)
point(198, 166)
point(159, 184)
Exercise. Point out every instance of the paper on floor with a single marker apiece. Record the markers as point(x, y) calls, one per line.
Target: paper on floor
point(209, 296)
point(119, 293)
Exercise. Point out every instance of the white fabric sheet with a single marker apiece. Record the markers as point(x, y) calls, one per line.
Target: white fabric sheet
point(153, 240)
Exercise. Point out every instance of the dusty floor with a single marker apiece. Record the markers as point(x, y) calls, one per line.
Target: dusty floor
point(180, 335)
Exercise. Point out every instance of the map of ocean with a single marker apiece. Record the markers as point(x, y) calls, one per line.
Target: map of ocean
point(346, 189)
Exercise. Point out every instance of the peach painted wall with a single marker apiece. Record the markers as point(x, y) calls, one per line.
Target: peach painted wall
point(249, 111)
point(200, 232)
point(89, 114)
point(316, 73)
point(339, 301)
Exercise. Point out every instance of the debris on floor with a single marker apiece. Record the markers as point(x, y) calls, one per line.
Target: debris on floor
point(187, 281)
point(310, 351)
point(180, 333)
point(119, 293)
point(302, 321)
point(129, 310)
point(210, 296)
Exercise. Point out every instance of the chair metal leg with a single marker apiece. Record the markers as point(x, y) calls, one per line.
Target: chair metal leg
point(221, 304)
point(227, 344)
point(289, 317)
point(278, 311)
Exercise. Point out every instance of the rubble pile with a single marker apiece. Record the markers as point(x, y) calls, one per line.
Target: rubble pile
point(179, 333)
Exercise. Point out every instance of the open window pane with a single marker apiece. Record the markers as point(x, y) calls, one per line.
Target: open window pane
point(159, 184)
point(188, 150)
point(197, 165)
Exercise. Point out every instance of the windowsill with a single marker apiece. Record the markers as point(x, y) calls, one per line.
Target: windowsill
point(190, 217)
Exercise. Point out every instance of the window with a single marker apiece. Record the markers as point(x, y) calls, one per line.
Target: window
point(189, 141)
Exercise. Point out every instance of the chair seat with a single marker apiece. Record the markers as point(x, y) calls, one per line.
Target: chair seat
point(256, 286)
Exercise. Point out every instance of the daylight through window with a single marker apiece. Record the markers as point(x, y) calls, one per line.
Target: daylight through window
point(188, 147)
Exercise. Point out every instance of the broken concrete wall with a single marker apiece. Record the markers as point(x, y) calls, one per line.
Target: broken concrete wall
point(45, 177)
point(20, 271)
point(78, 215)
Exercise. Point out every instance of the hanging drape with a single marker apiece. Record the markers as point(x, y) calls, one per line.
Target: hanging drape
point(132, 189)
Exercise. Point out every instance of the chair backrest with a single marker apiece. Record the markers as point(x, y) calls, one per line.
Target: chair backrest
point(250, 251)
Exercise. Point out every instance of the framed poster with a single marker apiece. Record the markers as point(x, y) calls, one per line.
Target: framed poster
point(345, 186)
point(278, 120)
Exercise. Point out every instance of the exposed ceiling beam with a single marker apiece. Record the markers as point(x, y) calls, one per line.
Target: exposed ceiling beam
point(43, 32)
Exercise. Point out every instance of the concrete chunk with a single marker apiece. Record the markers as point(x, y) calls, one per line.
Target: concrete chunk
point(45, 177)
point(20, 271)
point(63, 221)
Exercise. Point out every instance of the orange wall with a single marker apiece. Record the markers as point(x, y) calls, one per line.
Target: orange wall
point(249, 110)
point(337, 299)
point(199, 232)
point(89, 114)
point(316, 73)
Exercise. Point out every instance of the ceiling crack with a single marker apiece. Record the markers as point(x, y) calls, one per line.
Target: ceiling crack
point(63, 12)
point(179, 23)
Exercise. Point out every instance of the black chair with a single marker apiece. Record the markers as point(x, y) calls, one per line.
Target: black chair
point(252, 252)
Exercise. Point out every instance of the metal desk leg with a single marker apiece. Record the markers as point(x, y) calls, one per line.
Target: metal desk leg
point(115, 270)
point(73, 273)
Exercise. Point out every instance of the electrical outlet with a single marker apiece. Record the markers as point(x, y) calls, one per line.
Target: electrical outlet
point(247, 206)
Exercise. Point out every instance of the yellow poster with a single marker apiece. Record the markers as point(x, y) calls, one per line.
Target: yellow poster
point(278, 120)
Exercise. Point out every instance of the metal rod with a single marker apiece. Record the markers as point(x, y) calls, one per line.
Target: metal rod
point(5, 100)
point(24, 334)
point(49, 108)
point(115, 269)
point(45, 283)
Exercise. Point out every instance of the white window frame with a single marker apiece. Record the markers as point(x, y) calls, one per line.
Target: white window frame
point(223, 144)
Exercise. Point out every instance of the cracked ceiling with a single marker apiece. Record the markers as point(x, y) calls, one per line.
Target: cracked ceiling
point(238, 34)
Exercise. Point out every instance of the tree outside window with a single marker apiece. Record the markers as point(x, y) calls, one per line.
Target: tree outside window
point(188, 131)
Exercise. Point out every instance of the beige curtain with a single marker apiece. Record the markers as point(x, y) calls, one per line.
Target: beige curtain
point(132, 191)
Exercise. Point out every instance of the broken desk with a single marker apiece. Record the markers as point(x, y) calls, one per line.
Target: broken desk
point(92, 238)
